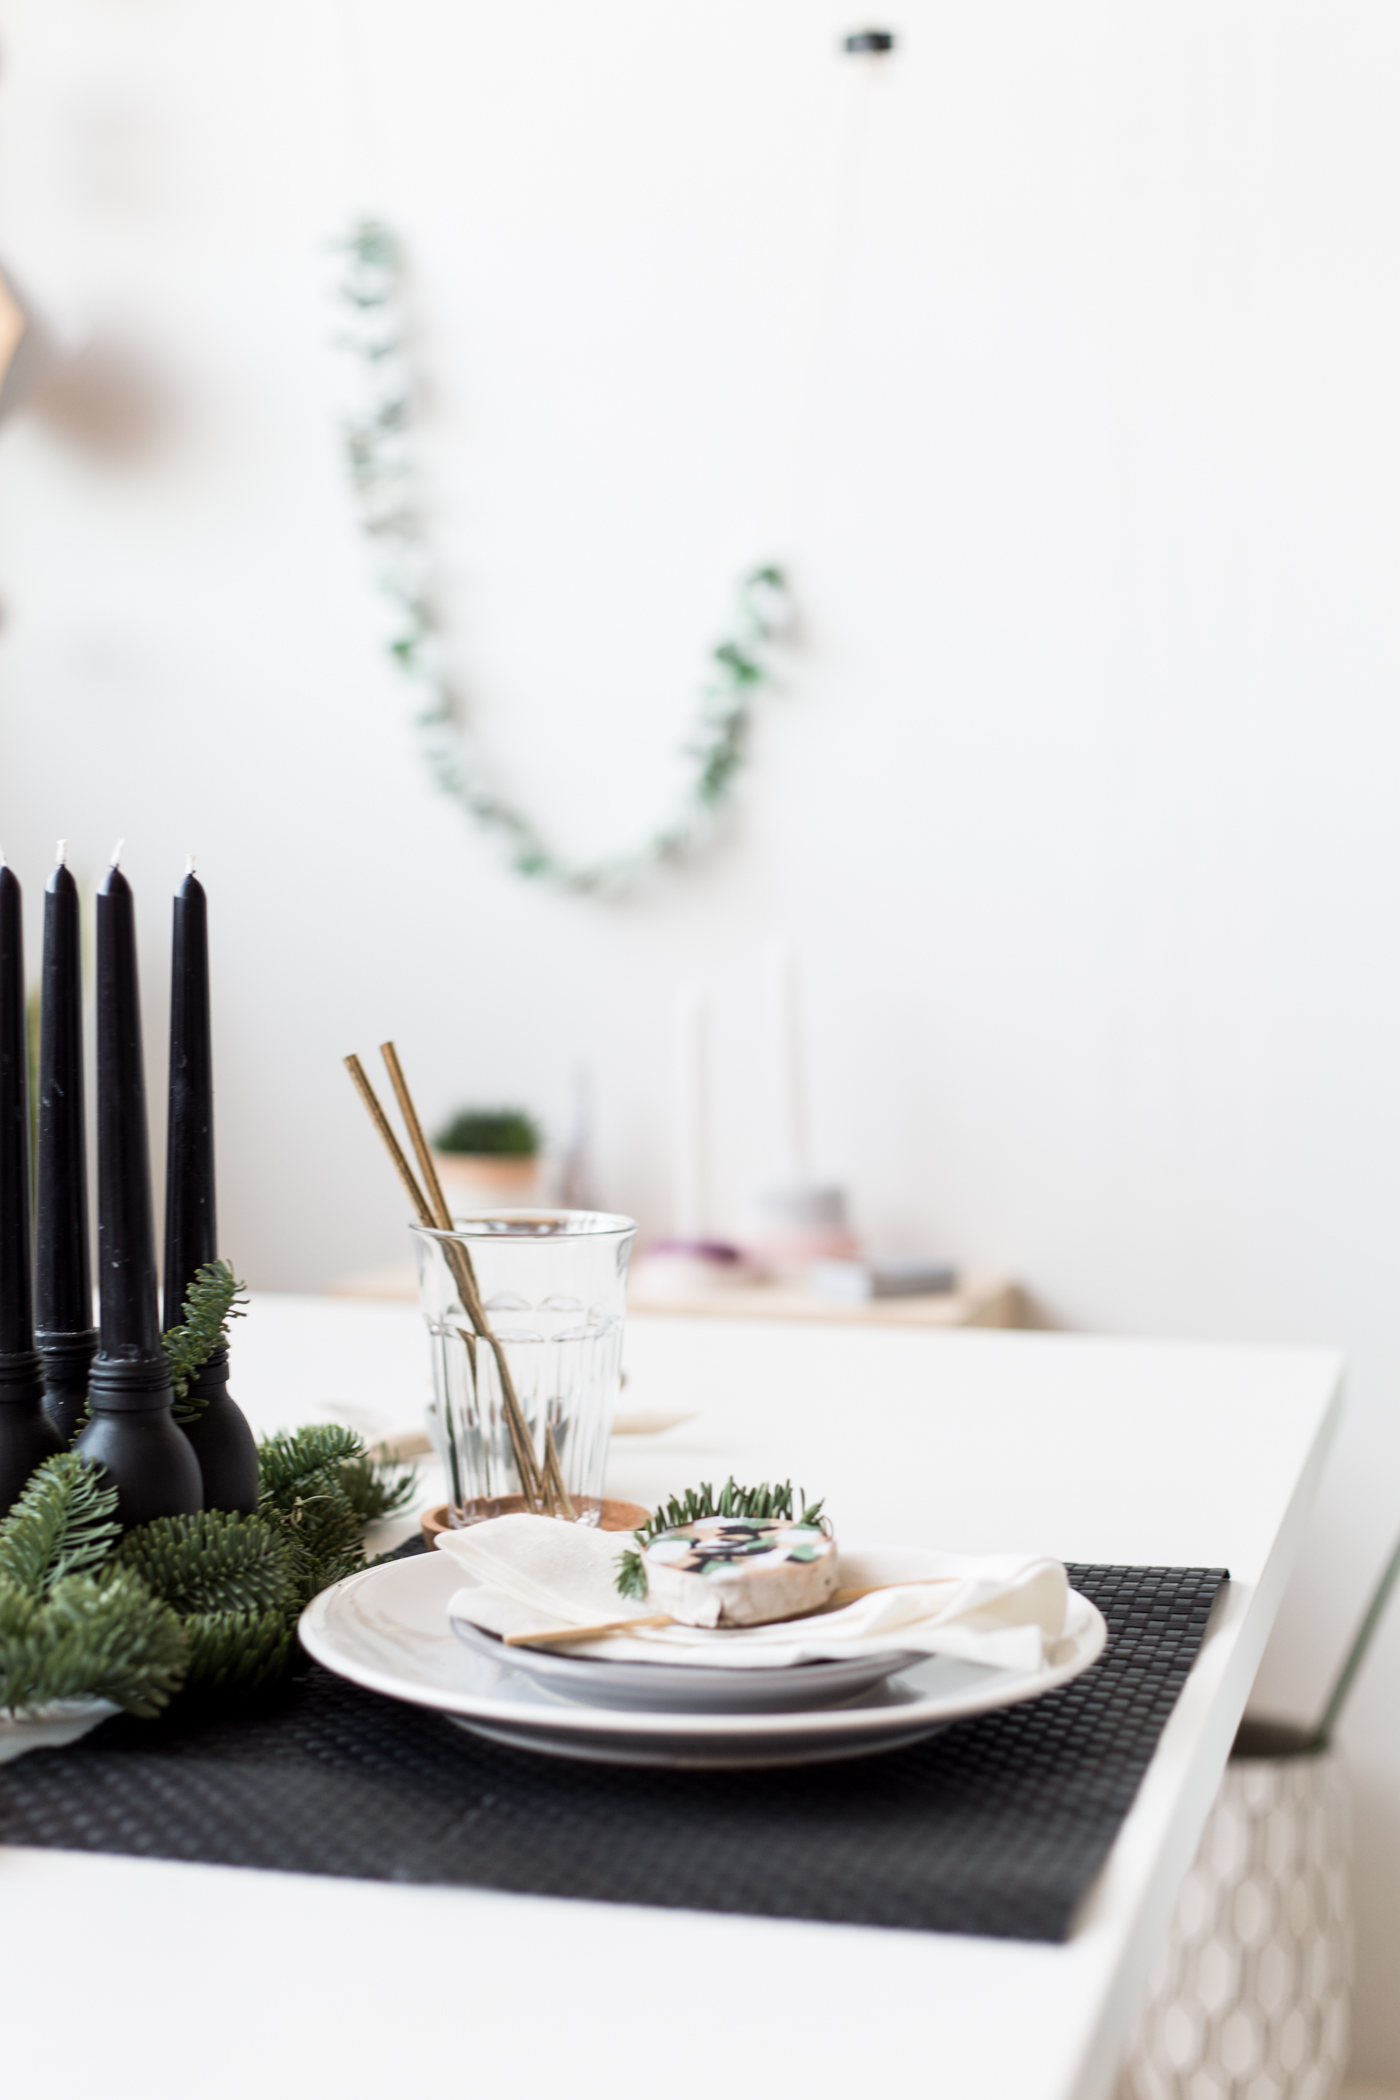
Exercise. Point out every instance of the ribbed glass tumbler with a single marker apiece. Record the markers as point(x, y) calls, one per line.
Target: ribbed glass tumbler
point(525, 1309)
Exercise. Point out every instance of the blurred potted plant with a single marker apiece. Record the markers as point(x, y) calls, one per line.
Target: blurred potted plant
point(489, 1159)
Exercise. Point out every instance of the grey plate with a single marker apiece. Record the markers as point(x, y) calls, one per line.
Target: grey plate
point(679, 1688)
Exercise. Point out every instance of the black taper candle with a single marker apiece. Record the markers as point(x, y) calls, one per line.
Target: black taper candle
point(223, 1442)
point(27, 1437)
point(133, 1432)
point(63, 1271)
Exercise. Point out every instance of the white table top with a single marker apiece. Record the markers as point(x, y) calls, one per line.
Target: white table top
point(155, 1979)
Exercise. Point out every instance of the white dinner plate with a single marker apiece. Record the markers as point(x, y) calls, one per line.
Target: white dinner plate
point(387, 1629)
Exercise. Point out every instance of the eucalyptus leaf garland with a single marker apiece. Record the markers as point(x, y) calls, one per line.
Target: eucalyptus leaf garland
point(383, 478)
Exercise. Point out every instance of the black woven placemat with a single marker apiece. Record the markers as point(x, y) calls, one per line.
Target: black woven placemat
point(996, 1826)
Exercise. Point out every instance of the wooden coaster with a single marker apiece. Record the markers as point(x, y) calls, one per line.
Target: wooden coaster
point(616, 1516)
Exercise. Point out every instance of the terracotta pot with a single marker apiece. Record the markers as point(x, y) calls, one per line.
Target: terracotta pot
point(612, 1516)
point(485, 1181)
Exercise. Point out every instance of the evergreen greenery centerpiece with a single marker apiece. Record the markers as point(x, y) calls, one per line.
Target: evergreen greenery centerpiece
point(202, 1607)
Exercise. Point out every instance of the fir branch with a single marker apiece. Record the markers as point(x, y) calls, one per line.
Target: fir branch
point(763, 1501)
point(236, 1655)
point(374, 1491)
point(63, 1524)
point(234, 1580)
point(290, 1460)
point(314, 1480)
point(214, 1562)
point(214, 1298)
point(103, 1637)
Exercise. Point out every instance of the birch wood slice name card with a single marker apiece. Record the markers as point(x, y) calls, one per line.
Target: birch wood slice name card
point(66, 1336)
point(215, 1426)
point(27, 1437)
point(133, 1432)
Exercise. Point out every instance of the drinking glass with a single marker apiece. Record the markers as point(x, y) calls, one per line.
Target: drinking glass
point(552, 1286)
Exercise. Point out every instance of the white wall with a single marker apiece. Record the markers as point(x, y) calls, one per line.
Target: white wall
point(1072, 406)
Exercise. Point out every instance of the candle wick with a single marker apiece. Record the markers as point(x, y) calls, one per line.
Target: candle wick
point(63, 853)
point(117, 853)
point(189, 864)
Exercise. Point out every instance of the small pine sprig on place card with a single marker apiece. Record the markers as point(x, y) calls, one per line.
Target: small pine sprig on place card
point(763, 1501)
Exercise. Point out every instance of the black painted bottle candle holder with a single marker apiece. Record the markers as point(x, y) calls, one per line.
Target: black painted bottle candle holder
point(27, 1437)
point(67, 1361)
point(222, 1441)
point(133, 1434)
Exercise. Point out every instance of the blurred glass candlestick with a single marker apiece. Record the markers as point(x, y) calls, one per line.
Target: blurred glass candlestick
point(789, 1077)
point(689, 1263)
point(797, 1221)
point(689, 1196)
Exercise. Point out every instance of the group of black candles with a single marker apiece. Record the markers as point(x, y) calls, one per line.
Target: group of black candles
point(53, 1363)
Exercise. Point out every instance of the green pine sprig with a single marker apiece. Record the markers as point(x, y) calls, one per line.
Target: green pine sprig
point(763, 1501)
point(64, 1523)
point(235, 1656)
point(234, 1584)
point(93, 1637)
point(374, 1491)
point(71, 1624)
point(324, 1487)
point(217, 1560)
point(214, 1297)
point(232, 1579)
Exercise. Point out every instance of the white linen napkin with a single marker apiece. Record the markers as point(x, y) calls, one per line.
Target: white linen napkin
point(525, 1574)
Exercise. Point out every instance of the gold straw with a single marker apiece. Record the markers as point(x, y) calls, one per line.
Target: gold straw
point(554, 1474)
point(537, 1492)
point(391, 1143)
point(427, 1165)
point(526, 1464)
